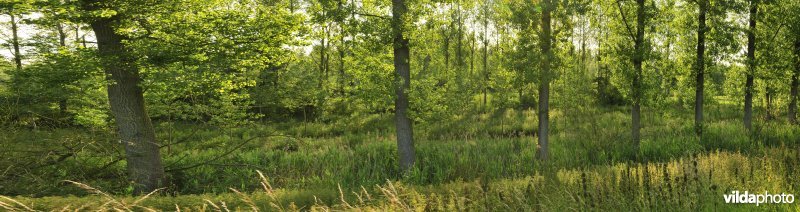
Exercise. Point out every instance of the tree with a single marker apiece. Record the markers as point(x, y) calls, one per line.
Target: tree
point(700, 66)
point(485, 50)
point(126, 98)
point(793, 23)
point(637, 58)
point(405, 140)
point(544, 80)
point(15, 10)
point(795, 74)
point(751, 66)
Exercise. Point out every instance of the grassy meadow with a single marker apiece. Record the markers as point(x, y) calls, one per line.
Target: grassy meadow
point(483, 161)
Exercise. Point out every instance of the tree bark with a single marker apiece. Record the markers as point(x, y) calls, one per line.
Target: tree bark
point(543, 152)
point(485, 57)
point(638, 58)
point(794, 90)
point(768, 102)
point(127, 105)
point(405, 141)
point(472, 54)
point(341, 48)
point(751, 67)
point(62, 42)
point(459, 41)
point(15, 43)
point(446, 49)
point(700, 66)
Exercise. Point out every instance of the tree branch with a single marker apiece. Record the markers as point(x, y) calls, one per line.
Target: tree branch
point(625, 20)
point(210, 162)
point(371, 15)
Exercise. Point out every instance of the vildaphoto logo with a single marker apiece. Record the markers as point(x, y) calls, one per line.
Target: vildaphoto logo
point(766, 197)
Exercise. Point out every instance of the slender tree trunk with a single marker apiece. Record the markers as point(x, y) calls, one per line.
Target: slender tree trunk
point(472, 54)
point(342, 75)
point(77, 36)
point(768, 103)
point(485, 58)
point(794, 90)
point(485, 74)
point(127, 105)
point(638, 58)
point(446, 49)
point(700, 66)
point(751, 67)
point(15, 42)
point(543, 153)
point(459, 40)
point(405, 140)
point(62, 41)
point(323, 64)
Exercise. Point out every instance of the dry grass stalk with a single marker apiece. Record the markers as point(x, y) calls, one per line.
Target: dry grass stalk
point(341, 197)
point(13, 208)
point(246, 199)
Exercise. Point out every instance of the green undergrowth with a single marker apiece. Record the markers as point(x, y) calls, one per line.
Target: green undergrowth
point(315, 159)
point(689, 183)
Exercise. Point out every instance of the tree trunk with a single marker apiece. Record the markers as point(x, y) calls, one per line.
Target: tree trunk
point(405, 141)
point(472, 54)
point(700, 65)
point(62, 41)
point(15, 43)
point(446, 49)
point(341, 59)
point(638, 58)
point(793, 103)
point(768, 103)
point(127, 105)
point(543, 153)
point(485, 58)
point(459, 40)
point(751, 67)
point(77, 36)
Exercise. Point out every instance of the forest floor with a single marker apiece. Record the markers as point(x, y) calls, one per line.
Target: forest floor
point(484, 161)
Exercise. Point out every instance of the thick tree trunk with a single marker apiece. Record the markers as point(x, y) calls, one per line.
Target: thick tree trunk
point(405, 140)
point(794, 90)
point(542, 152)
point(127, 105)
point(638, 58)
point(15, 42)
point(700, 66)
point(751, 67)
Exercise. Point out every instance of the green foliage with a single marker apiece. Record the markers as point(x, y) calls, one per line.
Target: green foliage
point(304, 91)
point(202, 61)
point(62, 88)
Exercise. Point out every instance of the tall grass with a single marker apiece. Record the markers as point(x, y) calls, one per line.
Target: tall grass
point(691, 183)
point(338, 164)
